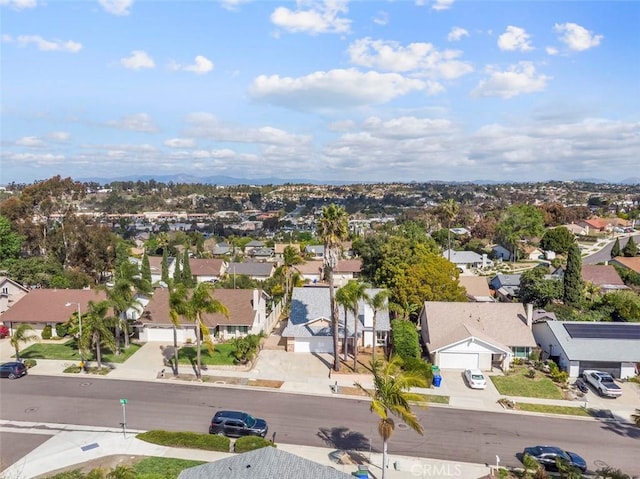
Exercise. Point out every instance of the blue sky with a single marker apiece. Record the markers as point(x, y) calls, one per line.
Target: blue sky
point(331, 90)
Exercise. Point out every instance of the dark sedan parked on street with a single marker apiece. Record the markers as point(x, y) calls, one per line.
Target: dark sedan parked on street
point(548, 457)
point(12, 370)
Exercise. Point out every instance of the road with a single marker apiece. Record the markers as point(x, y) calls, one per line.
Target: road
point(450, 434)
point(605, 253)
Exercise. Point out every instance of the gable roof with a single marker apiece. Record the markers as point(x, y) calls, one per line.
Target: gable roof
point(206, 266)
point(310, 267)
point(632, 263)
point(49, 305)
point(4, 279)
point(602, 275)
point(263, 463)
point(477, 287)
point(239, 302)
point(251, 269)
point(279, 248)
point(501, 324)
point(594, 349)
point(462, 257)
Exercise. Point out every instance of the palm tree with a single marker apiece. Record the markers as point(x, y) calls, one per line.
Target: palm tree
point(192, 307)
point(343, 298)
point(358, 292)
point(22, 334)
point(290, 258)
point(449, 209)
point(377, 302)
point(391, 396)
point(405, 310)
point(176, 295)
point(96, 329)
point(333, 228)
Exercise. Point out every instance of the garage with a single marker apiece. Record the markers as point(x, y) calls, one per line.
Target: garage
point(459, 360)
point(606, 367)
point(318, 344)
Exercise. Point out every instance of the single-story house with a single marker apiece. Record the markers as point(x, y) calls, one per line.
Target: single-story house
point(467, 259)
point(314, 251)
point(309, 328)
point(579, 345)
point(506, 286)
point(263, 463)
point(48, 307)
point(278, 249)
point(476, 335)
point(262, 254)
point(205, 269)
point(253, 245)
point(632, 263)
point(576, 229)
point(604, 276)
point(345, 271)
point(533, 253)
point(10, 293)
point(155, 263)
point(477, 288)
point(500, 252)
point(311, 271)
point(257, 271)
point(247, 315)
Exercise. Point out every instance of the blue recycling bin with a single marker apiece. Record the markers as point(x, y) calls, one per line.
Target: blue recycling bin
point(437, 380)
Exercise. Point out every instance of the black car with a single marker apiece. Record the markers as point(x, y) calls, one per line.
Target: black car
point(12, 370)
point(236, 424)
point(549, 455)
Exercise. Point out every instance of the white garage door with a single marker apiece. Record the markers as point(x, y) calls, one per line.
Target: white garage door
point(314, 345)
point(459, 360)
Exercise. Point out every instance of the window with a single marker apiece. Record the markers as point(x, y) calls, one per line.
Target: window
point(520, 351)
point(5, 290)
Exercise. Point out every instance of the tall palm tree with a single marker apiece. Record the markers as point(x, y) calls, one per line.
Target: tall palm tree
point(333, 228)
point(359, 293)
point(96, 329)
point(405, 310)
point(22, 334)
point(391, 396)
point(449, 209)
point(177, 294)
point(193, 306)
point(290, 258)
point(377, 302)
point(343, 298)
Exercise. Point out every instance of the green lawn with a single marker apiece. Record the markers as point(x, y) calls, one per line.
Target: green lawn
point(163, 467)
point(222, 355)
point(68, 351)
point(544, 408)
point(517, 384)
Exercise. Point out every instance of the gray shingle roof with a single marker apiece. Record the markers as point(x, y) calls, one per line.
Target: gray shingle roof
point(264, 463)
point(251, 269)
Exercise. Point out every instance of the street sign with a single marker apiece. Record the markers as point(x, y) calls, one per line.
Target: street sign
point(124, 401)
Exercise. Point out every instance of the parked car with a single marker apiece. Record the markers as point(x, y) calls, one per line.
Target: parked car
point(236, 424)
point(602, 382)
point(548, 457)
point(475, 379)
point(12, 370)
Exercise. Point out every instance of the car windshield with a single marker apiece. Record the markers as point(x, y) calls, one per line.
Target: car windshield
point(606, 379)
point(250, 420)
point(477, 377)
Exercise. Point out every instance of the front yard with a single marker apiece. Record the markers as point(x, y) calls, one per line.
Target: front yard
point(68, 351)
point(517, 384)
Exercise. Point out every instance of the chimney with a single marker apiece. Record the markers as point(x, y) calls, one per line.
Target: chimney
point(529, 316)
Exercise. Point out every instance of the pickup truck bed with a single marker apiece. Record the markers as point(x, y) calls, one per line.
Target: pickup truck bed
point(603, 383)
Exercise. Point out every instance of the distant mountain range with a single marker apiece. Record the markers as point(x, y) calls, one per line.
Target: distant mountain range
point(229, 180)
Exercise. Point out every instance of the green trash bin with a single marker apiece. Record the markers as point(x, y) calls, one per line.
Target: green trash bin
point(435, 370)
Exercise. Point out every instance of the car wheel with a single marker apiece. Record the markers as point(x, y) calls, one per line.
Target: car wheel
point(11, 376)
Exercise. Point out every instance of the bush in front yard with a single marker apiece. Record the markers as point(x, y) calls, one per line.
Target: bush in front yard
point(406, 341)
point(29, 363)
point(192, 440)
point(61, 330)
point(4, 331)
point(46, 332)
point(249, 443)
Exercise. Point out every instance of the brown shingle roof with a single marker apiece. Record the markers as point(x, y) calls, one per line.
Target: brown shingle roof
point(48, 305)
point(476, 286)
point(631, 263)
point(600, 274)
point(239, 302)
point(206, 267)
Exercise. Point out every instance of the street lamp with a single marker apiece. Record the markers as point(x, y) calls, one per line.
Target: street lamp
point(79, 330)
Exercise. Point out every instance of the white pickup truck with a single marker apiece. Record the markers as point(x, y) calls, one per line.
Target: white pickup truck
point(602, 382)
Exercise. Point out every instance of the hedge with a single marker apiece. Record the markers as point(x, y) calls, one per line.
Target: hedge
point(191, 440)
point(249, 443)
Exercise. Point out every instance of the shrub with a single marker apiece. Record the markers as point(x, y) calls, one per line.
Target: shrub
point(517, 361)
point(560, 377)
point(534, 355)
point(29, 363)
point(249, 443)
point(192, 440)
point(61, 330)
point(421, 367)
point(4, 331)
point(531, 373)
point(46, 332)
point(405, 339)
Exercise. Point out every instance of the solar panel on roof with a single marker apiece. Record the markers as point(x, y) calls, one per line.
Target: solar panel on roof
point(602, 330)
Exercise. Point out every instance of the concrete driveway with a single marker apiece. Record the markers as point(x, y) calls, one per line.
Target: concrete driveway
point(461, 395)
point(297, 367)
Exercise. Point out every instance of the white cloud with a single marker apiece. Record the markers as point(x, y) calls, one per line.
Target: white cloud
point(180, 143)
point(456, 34)
point(518, 79)
point(19, 4)
point(551, 50)
point(515, 38)
point(201, 65)
point(321, 16)
point(44, 45)
point(421, 58)
point(381, 18)
point(60, 136)
point(577, 38)
point(117, 7)
point(333, 89)
point(139, 59)
point(30, 142)
point(138, 122)
point(233, 5)
point(442, 4)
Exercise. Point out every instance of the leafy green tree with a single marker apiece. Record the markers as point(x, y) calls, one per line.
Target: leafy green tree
point(519, 223)
point(615, 249)
point(392, 396)
point(621, 306)
point(23, 333)
point(96, 330)
point(631, 248)
point(333, 229)
point(406, 342)
point(558, 240)
point(10, 241)
point(378, 302)
point(538, 290)
point(192, 305)
point(573, 285)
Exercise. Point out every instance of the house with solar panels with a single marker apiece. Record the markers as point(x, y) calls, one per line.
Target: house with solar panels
point(578, 345)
